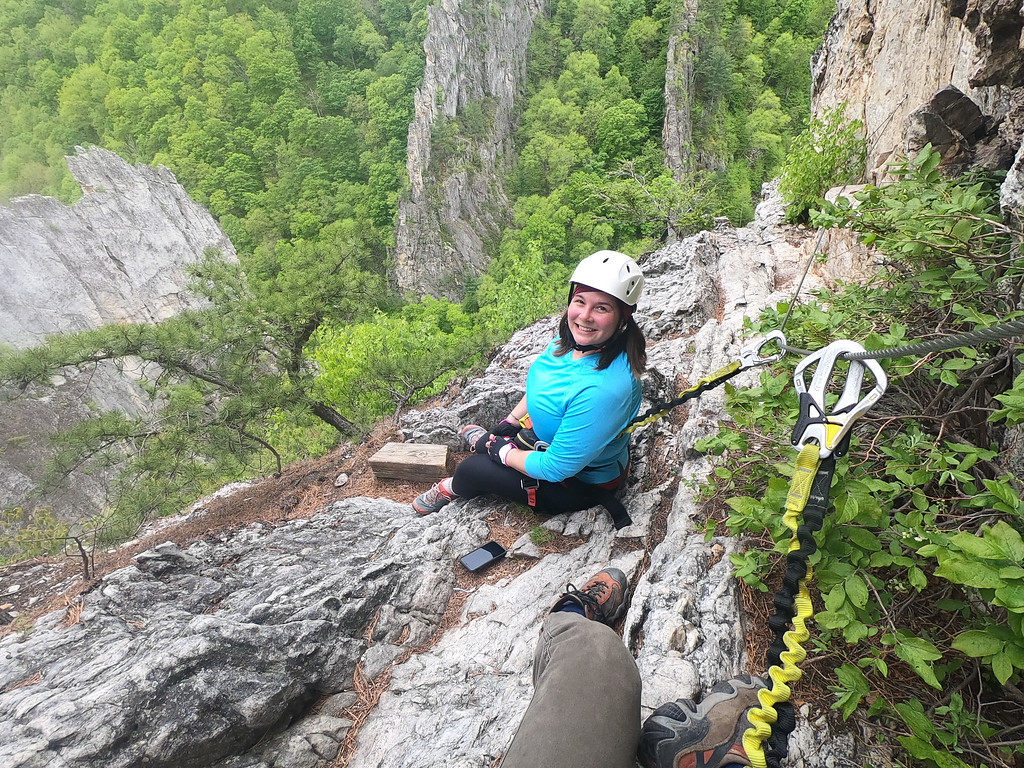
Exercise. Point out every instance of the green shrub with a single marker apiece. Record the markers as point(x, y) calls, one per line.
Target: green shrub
point(831, 151)
point(921, 562)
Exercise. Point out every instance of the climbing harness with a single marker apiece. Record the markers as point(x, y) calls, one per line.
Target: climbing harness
point(821, 435)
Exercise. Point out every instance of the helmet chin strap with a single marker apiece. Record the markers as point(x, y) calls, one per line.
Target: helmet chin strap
point(597, 347)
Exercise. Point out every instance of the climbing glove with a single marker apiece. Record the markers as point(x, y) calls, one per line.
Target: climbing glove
point(499, 447)
point(506, 428)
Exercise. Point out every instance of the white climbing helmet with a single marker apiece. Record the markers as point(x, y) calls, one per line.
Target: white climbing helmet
point(613, 273)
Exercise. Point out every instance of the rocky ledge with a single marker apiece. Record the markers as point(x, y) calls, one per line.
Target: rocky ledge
point(249, 649)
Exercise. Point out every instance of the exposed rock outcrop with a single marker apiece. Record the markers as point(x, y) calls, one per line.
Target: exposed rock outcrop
point(193, 655)
point(677, 132)
point(120, 254)
point(450, 224)
point(887, 60)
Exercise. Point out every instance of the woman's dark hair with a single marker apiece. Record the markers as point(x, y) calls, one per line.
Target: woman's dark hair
point(630, 339)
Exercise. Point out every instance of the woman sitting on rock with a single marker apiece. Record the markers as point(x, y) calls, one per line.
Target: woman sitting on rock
point(581, 392)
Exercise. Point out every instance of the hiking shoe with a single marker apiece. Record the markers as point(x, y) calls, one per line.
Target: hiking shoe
point(603, 598)
point(472, 433)
point(682, 734)
point(434, 499)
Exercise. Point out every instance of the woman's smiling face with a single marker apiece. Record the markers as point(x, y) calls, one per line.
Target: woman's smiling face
point(593, 317)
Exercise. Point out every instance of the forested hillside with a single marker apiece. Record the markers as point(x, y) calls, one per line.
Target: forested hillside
point(289, 122)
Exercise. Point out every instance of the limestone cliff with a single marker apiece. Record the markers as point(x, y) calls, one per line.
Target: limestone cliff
point(120, 254)
point(460, 143)
point(945, 71)
point(677, 132)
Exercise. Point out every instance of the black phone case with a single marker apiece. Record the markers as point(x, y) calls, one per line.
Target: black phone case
point(482, 557)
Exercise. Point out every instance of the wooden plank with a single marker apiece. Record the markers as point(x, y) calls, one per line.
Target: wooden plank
point(419, 462)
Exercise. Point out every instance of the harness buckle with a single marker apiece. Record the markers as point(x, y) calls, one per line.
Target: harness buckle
point(831, 430)
point(530, 485)
point(751, 355)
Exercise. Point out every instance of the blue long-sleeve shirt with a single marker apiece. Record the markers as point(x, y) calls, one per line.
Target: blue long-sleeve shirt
point(580, 410)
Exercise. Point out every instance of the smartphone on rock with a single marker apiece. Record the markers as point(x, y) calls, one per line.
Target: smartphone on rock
point(483, 556)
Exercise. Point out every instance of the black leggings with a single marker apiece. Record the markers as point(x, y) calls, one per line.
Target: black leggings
point(479, 474)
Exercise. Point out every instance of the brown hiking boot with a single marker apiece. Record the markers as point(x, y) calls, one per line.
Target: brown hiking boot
point(603, 598)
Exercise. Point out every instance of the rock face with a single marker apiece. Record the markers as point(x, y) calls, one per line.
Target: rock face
point(460, 143)
point(119, 254)
point(893, 64)
point(192, 656)
point(677, 133)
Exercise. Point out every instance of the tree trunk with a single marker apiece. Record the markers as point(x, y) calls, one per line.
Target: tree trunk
point(330, 416)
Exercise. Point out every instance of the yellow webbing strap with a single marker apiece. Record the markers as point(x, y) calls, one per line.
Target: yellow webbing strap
point(762, 717)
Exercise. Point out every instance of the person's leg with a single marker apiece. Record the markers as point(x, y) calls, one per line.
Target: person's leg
point(586, 704)
point(477, 475)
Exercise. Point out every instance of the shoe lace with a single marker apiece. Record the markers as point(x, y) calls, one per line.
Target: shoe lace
point(434, 494)
point(590, 595)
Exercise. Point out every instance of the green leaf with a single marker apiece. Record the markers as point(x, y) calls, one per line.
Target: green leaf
point(972, 545)
point(864, 539)
point(970, 574)
point(1011, 597)
point(1003, 492)
point(977, 643)
point(918, 652)
point(743, 504)
point(917, 578)
point(846, 509)
point(913, 715)
point(831, 620)
point(835, 598)
point(857, 591)
point(918, 748)
point(1002, 668)
point(1015, 653)
point(853, 686)
point(1008, 539)
point(1011, 572)
point(855, 631)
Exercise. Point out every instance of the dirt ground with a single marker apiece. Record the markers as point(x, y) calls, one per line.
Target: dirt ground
point(32, 588)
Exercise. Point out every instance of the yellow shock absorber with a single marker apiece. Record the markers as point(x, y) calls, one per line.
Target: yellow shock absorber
point(761, 718)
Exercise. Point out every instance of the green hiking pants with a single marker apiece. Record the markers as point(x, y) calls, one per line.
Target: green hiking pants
point(585, 711)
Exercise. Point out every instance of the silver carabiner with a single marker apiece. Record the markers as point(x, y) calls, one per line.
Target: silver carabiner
point(750, 355)
point(815, 422)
